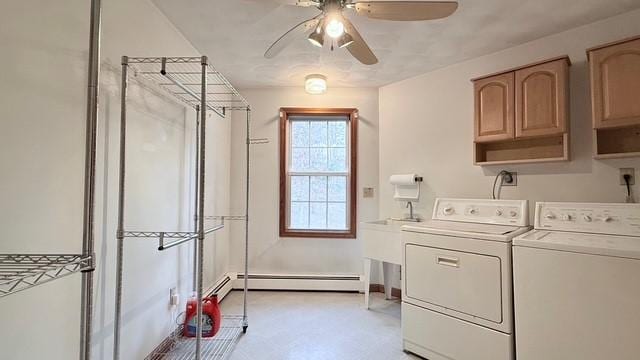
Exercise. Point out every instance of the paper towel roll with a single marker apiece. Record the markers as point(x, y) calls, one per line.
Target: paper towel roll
point(403, 179)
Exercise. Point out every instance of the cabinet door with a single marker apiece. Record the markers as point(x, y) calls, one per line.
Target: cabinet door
point(542, 99)
point(615, 85)
point(494, 114)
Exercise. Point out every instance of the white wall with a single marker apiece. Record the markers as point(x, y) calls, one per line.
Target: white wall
point(426, 126)
point(43, 92)
point(268, 252)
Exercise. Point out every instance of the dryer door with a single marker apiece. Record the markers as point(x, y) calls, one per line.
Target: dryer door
point(467, 282)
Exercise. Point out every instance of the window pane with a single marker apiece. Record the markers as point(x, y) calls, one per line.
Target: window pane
point(318, 159)
point(337, 188)
point(337, 159)
point(318, 133)
point(300, 159)
point(337, 219)
point(300, 133)
point(318, 188)
point(318, 218)
point(337, 133)
point(299, 215)
point(299, 188)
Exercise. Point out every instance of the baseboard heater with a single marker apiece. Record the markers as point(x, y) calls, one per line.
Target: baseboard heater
point(350, 283)
point(222, 287)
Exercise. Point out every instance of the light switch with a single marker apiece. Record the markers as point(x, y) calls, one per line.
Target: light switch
point(367, 192)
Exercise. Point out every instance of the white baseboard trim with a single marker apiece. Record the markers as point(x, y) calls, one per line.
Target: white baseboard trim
point(301, 282)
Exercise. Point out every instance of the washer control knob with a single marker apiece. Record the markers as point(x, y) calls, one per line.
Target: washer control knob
point(567, 217)
point(550, 216)
point(587, 218)
point(473, 211)
point(606, 218)
point(498, 212)
point(513, 213)
point(448, 210)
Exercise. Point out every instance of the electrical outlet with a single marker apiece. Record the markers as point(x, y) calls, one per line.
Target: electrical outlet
point(510, 179)
point(174, 297)
point(628, 171)
point(367, 192)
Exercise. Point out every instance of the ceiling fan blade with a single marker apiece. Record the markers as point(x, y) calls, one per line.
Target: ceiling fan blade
point(359, 48)
point(406, 10)
point(303, 28)
point(303, 3)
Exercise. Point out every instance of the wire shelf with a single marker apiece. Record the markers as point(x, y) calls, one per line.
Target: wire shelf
point(218, 347)
point(181, 77)
point(259, 141)
point(23, 271)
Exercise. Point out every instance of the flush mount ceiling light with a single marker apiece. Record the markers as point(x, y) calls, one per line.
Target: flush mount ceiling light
point(315, 84)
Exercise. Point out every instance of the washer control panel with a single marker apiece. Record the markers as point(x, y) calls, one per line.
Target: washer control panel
point(500, 212)
point(613, 219)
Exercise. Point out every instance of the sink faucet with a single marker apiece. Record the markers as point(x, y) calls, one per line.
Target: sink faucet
point(411, 217)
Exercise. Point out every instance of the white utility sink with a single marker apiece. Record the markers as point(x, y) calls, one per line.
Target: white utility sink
point(382, 241)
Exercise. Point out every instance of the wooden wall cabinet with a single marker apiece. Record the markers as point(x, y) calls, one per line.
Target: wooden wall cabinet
point(494, 111)
point(541, 99)
point(615, 98)
point(522, 115)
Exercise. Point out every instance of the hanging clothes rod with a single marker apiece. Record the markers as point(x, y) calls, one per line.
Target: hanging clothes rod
point(224, 217)
point(162, 246)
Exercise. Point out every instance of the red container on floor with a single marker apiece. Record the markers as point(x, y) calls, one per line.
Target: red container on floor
point(211, 317)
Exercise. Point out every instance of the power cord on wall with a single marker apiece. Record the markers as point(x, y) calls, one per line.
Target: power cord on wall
point(505, 177)
point(627, 180)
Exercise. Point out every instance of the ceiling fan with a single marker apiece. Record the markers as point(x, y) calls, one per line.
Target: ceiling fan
point(341, 32)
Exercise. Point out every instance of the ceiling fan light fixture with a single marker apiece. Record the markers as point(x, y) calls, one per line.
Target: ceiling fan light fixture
point(316, 38)
point(334, 28)
point(345, 40)
point(315, 84)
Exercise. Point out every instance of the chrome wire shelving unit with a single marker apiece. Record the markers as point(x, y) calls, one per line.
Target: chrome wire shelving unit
point(218, 347)
point(22, 271)
point(198, 85)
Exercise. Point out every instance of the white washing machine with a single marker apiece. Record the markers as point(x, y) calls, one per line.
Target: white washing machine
point(457, 301)
point(577, 283)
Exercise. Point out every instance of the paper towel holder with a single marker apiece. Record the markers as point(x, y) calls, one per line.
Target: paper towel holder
point(407, 186)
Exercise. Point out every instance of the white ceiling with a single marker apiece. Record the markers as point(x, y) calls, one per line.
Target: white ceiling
point(235, 34)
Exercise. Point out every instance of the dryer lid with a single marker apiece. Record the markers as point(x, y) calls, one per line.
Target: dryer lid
point(467, 230)
point(582, 243)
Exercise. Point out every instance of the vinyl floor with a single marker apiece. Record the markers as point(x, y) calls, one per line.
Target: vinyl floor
point(317, 326)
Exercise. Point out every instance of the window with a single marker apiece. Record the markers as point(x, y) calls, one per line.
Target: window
point(318, 152)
